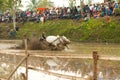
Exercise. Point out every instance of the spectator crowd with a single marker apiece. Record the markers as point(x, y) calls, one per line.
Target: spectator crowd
point(77, 12)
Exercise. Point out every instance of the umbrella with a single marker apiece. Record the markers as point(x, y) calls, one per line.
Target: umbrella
point(41, 9)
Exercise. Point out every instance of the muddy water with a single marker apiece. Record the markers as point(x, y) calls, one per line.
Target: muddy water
point(102, 48)
point(82, 48)
point(105, 70)
point(6, 44)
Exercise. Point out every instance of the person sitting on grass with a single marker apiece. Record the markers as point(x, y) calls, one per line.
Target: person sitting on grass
point(12, 33)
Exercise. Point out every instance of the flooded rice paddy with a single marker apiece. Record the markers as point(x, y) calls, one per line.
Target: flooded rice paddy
point(82, 68)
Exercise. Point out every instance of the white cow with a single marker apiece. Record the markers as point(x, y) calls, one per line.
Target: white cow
point(56, 40)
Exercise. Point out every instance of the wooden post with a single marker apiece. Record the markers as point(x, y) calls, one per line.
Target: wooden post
point(95, 58)
point(26, 53)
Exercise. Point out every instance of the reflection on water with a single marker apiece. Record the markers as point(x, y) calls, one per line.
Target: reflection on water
point(37, 75)
point(88, 48)
point(83, 48)
point(5, 70)
point(84, 70)
point(6, 46)
point(32, 74)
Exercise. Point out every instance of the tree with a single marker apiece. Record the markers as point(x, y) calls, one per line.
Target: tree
point(82, 4)
point(46, 3)
point(89, 1)
point(12, 6)
point(1, 4)
point(118, 1)
point(33, 4)
point(72, 3)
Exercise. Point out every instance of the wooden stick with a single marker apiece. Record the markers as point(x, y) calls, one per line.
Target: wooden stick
point(26, 53)
point(95, 58)
point(48, 54)
point(17, 67)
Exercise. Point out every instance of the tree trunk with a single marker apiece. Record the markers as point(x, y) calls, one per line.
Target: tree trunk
point(82, 5)
point(14, 18)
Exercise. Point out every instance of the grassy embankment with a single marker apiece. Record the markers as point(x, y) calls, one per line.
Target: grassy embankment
point(94, 30)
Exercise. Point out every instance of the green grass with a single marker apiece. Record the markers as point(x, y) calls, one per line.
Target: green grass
point(94, 30)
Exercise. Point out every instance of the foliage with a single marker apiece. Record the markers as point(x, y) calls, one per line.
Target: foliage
point(10, 4)
point(94, 30)
point(118, 0)
point(71, 3)
point(1, 4)
point(89, 2)
point(33, 4)
point(46, 4)
point(118, 11)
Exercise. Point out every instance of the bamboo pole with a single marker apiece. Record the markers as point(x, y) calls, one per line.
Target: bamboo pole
point(26, 53)
point(95, 58)
point(17, 67)
point(48, 54)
